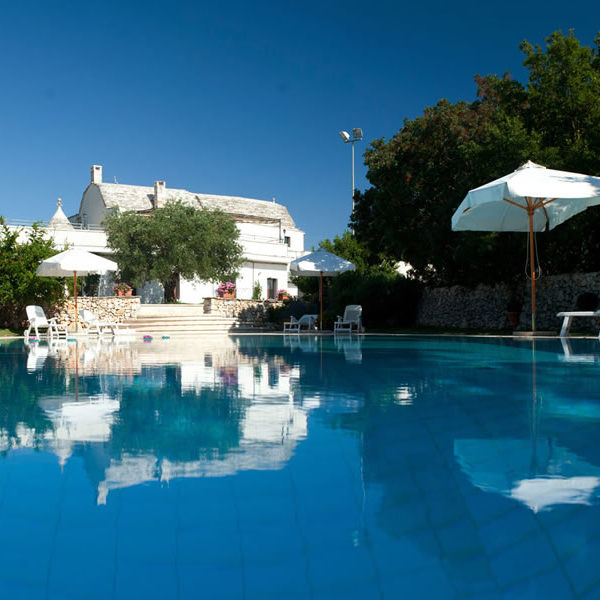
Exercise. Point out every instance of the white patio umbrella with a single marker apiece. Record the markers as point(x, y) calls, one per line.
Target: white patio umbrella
point(317, 264)
point(530, 199)
point(70, 263)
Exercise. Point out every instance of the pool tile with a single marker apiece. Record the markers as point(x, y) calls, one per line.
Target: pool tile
point(471, 576)
point(213, 583)
point(508, 528)
point(432, 584)
point(210, 548)
point(549, 584)
point(524, 559)
point(145, 543)
point(145, 579)
point(582, 566)
point(460, 539)
point(21, 590)
point(278, 579)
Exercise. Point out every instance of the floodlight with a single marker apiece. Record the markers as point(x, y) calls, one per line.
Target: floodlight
point(357, 136)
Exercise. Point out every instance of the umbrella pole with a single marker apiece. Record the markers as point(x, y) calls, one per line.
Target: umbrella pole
point(76, 313)
point(321, 300)
point(530, 210)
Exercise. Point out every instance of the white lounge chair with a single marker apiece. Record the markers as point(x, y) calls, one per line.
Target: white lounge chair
point(568, 319)
point(37, 320)
point(96, 326)
point(352, 319)
point(305, 321)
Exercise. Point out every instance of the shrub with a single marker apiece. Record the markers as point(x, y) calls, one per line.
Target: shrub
point(19, 284)
point(293, 308)
point(257, 291)
point(389, 300)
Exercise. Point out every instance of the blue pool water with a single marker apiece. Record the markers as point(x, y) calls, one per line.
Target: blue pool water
point(318, 468)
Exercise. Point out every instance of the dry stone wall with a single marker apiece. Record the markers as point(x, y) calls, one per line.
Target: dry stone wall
point(486, 307)
point(106, 308)
point(246, 312)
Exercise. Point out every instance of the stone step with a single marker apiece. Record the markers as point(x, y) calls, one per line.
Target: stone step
point(164, 310)
point(199, 318)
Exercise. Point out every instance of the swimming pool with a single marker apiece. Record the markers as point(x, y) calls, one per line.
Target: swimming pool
point(300, 467)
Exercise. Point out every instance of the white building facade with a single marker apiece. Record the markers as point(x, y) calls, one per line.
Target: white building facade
point(268, 235)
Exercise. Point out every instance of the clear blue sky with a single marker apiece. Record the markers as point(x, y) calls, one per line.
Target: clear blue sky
point(238, 98)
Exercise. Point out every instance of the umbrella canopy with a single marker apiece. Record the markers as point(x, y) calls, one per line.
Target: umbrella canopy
point(530, 199)
point(70, 263)
point(318, 264)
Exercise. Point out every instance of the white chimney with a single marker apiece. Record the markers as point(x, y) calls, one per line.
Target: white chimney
point(160, 192)
point(96, 173)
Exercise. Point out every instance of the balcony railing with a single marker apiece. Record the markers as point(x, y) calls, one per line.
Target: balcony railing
point(46, 225)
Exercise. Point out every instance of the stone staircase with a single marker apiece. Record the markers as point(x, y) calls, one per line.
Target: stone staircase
point(181, 319)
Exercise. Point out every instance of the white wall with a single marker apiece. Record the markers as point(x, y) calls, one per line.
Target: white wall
point(92, 209)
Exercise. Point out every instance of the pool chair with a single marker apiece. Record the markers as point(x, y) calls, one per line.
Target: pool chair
point(38, 321)
point(305, 321)
point(95, 326)
point(568, 319)
point(352, 319)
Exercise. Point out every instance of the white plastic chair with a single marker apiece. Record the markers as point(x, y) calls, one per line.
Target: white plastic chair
point(37, 320)
point(306, 321)
point(96, 326)
point(352, 319)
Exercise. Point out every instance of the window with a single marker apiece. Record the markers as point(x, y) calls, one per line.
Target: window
point(271, 288)
point(287, 241)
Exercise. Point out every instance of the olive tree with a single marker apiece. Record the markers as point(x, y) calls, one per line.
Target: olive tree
point(174, 240)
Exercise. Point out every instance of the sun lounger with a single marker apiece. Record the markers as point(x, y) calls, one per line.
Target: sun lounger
point(38, 321)
point(352, 319)
point(96, 326)
point(305, 321)
point(568, 319)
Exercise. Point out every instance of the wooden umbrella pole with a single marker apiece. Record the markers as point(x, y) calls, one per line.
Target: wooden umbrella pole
point(76, 313)
point(530, 210)
point(321, 300)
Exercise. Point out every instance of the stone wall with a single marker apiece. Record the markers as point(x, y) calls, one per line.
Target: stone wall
point(247, 312)
point(485, 307)
point(106, 308)
point(458, 307)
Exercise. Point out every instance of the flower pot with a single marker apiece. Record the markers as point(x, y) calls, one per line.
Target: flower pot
point(513, 318)
point(124, 292)
point(228, 295)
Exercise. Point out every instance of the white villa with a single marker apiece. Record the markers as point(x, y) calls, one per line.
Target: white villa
point(268, 234)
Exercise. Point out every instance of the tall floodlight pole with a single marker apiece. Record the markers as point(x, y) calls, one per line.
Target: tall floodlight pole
point(357, 135)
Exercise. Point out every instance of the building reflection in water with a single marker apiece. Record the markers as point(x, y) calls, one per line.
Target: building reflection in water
point(178, 408)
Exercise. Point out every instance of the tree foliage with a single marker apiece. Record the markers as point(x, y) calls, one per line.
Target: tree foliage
point(419, 177)
point(19, 285)
point(175, 240)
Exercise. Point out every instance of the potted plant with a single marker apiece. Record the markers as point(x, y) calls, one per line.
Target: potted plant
point(283, 295)
point(122, 289)
point(226, 290)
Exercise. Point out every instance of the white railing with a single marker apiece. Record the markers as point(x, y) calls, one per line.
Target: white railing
point(46, 225)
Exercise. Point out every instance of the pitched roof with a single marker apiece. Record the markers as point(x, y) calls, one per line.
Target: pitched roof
point(140, 198)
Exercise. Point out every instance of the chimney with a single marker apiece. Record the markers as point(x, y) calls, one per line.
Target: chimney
point(160, 191)
point(96, 173)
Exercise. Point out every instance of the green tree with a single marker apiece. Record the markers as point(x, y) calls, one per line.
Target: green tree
point(348, 247)
point(175, 240)
point(19, 284)
point(420, 176)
